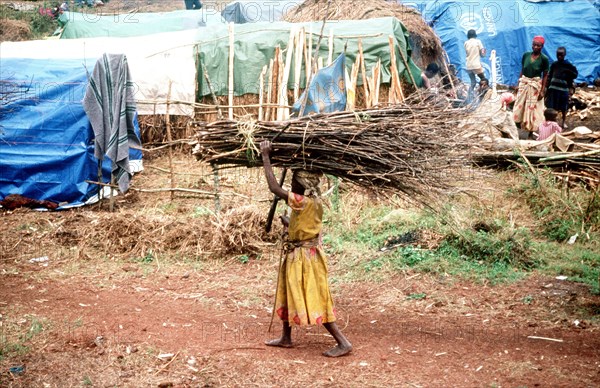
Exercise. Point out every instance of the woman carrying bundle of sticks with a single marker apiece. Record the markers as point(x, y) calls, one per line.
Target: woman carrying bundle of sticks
point(302, 296)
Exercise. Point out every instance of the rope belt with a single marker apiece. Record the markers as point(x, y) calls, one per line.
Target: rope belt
point(290, 245)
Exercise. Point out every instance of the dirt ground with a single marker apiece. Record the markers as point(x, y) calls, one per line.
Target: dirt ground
point(88, 317)
point(95, 314)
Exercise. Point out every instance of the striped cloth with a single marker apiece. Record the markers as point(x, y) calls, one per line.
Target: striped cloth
point(110, 106)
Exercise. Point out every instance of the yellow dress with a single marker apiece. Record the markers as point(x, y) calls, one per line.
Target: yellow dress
point(303, 296)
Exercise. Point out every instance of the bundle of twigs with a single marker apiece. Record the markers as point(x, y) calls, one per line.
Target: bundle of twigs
point(410, 148)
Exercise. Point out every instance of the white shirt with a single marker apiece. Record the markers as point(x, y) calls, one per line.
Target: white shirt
point(473, 48)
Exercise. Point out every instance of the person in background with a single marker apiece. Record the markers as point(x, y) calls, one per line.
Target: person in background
point(193, 4)
point(529, 104)
point(302, 295)
point(562, 74)
point(475, 51)
point(427, 76)
point(549, 126)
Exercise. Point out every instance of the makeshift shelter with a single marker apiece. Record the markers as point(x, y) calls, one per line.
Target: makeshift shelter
point(156, 61)
point(426, 46)
point(508, 27)
point(46, 140)
point(92, 24)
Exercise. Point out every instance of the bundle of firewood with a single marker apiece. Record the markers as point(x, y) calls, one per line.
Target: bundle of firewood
point(411, 148)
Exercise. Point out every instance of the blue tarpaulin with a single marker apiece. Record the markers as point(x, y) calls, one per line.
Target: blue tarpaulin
point(509, 27)
point(46, 140)
point(327, 90)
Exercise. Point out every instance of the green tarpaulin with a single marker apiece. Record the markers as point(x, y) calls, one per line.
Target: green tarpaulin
point(254, 43)
point(255, 46)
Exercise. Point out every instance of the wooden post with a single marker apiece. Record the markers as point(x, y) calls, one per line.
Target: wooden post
point(364, 73)
point(407, 68)
point(231, 56)
point(300, 41)
point(330, 54)
point(269, 91)
point(261, 92)
point(169, 140)
point(283, 111)
point(396, 94)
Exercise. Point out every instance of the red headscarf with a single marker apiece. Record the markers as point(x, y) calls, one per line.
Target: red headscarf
point(539, 39)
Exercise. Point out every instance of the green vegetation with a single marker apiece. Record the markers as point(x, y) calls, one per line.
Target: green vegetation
point(15, 338)
point(40, 24)
point(473, 238)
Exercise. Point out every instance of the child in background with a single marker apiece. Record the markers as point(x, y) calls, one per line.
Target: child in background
point(549, 126)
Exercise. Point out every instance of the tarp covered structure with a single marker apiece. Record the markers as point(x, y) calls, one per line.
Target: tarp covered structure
point(255, 46)
point(46, 140)
point(154, 60)
point(509, 27)
point(92, 24)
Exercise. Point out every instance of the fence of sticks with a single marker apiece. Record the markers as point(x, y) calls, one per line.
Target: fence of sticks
point(412, 148)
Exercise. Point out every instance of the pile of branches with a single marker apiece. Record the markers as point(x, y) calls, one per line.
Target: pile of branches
point(414, 149)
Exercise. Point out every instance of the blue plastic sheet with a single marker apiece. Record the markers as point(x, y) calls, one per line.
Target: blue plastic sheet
point(46, 140)
point(509, 27)
point(327, 90)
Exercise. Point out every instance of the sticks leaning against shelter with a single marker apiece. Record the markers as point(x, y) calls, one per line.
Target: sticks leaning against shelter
point(231, 57)
point(170, 139)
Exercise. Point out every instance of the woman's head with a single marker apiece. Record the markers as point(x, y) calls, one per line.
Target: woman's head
point(306, 182)
point(550, 114)
point(471, 34)
point(538, 44)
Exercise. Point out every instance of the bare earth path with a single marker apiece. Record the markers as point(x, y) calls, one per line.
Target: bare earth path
point(107, 329)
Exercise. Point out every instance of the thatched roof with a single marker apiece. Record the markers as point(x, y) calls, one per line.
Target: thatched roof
point(426, 44)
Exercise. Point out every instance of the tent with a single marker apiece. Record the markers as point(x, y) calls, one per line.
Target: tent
point(509, 26)
point(91, 24)
point(46, 140)
point(255, 46)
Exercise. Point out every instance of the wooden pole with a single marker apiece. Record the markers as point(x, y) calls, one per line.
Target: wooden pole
point(449, 77)
point(330, 54)
point(170, 139)
point(300, 42)
point(364, 73)
point(407, 68)
point(231, 57)
point(269, 91)
point(283, 112)
point(261, 92)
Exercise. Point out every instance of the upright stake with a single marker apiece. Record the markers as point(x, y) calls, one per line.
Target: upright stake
point(169, 140)
point(231, 54)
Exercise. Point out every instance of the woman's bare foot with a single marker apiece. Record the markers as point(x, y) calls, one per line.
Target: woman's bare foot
point(280, 342)
point(338, 351)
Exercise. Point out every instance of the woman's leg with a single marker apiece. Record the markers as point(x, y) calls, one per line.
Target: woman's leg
point(343, 345)
point(286, 337)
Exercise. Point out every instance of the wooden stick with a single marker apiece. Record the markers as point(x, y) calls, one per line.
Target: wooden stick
point(298, 62)
point(377, 82)
point(407, 68)
point(308, 65)
point(569, 155)
point(212, 92)
point(231, 56)
point(330, 54)
point(396, 94)
point(449, 76)
point(261, 93)
point(269, 91)
point(544, 338)
point(170, 139)
point(363, 72)
point(167, 364)
point(283, 113)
